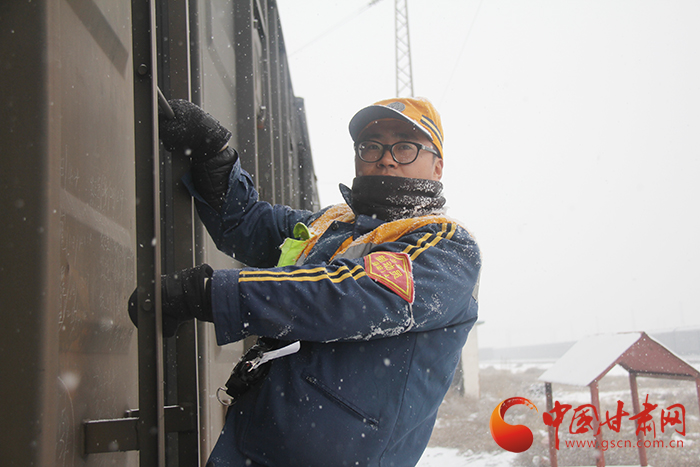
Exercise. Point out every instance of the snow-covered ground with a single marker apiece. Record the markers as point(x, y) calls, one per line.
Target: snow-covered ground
point(461, 436)
point(447, 457)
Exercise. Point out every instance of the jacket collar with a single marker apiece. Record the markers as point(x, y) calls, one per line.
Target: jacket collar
point(391, 198)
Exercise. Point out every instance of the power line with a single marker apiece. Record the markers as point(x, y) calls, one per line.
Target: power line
point(336, 26)
point(464, 44)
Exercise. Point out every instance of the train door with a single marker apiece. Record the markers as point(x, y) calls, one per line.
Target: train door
point(93, 207)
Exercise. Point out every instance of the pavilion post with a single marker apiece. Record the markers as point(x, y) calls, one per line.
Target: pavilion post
point(636, 407)
point(595, 400)
point(552, 430)
point(697, 385)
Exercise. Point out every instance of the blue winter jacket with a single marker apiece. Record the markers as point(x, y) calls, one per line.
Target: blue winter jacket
point(377, 355)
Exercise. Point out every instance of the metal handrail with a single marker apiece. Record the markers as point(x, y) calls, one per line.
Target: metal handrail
point(151, 421)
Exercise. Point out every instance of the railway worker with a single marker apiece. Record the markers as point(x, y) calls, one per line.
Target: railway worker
point(380, 292)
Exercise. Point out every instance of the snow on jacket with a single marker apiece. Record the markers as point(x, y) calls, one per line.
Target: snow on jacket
point(376, 358)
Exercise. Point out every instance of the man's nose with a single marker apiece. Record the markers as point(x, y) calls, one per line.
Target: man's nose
point(387, 160)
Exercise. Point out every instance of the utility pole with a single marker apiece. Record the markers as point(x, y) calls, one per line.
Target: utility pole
point(404, 69)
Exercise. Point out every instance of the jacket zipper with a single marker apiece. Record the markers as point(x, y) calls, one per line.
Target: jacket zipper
point(332, 396)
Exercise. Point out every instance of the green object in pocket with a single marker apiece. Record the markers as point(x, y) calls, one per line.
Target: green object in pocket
point(292, 247)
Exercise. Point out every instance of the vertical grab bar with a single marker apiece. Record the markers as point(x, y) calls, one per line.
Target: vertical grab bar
point(151, 423)
point(176, 42)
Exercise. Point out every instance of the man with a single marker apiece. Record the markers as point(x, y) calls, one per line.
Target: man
point(380, 292)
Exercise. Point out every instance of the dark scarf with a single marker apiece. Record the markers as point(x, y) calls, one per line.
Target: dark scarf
point(391, 198)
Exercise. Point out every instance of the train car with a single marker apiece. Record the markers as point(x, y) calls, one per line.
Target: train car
point(92, 206)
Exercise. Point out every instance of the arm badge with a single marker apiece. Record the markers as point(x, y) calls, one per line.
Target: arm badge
point(392, 270)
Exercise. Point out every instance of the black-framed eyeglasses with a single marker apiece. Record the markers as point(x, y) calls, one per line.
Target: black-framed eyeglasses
point(403, 152)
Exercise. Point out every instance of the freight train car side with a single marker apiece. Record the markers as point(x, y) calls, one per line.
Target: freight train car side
point(77, 96)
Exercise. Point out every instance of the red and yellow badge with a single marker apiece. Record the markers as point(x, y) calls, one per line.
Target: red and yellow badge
point(392, 270)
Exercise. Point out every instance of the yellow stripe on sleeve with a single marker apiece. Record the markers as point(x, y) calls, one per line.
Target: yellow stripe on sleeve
point(303, 275)
point(444, 233)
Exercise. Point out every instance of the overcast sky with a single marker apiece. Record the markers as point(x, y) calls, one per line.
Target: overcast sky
point(572, 146)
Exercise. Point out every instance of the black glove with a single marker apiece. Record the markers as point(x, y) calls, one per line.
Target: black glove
point(186, 295)
point(193, 130)
point(210, 177)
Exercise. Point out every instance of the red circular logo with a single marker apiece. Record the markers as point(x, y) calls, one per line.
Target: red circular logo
point(513, 438)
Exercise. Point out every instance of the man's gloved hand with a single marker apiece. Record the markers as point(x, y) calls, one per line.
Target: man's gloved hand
point(193, 130)
point(186, 295)
point(202, 137)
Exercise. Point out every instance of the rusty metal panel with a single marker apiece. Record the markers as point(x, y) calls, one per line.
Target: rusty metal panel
point(27, 247)
point(75, 109)
point(67, 185)
point(92, 81)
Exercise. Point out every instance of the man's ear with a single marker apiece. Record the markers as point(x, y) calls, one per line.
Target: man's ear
point(437, 168)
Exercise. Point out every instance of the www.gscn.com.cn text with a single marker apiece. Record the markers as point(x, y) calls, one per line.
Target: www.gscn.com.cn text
point(623, 443)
